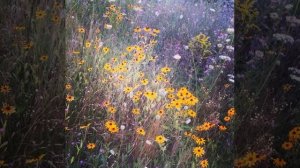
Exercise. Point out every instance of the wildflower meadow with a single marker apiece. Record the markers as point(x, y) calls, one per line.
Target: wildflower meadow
point(145, 84)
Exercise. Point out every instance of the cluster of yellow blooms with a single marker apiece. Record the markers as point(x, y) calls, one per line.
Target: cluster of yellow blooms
point(293, 138)
point(114, 13)
point(249, 160)
point(6, 108)
point(197, 140)
point(111, 126)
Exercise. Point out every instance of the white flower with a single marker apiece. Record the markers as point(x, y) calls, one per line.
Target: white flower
point(230, 30)
point(162, 92)
point(225, 58)
point(131, 94)
point(188, 121)
point(294, 77)
point(157, 13)
point(211, 9)
point(259, 53)
point(186, 47)
point(112, 152)
point(288, 6)
point(219, 45)
point(284, 38)
point(274, 15)
point(227, 40)
point(186, 107)
point(122, 127)
point(177, 56)
point(211, 67)
point(148, 142)
point(157, 117)
point(107, 26)
point(230, 48)
point(181, 16)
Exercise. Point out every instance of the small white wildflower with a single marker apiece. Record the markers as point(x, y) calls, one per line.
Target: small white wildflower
point(284, 38)
point(219, 45)
point(177, 57)
point(289, 6)
point(157, 13)
point(122, 127)
point(294, 77)
point(186, 107)
point(274, 15)
point(259, 53)
point(107, 26)
point(188, 121)
point(112, 152)
point(181, 16)
point(157, 117)
point(227, 40)
point(148, 142)
point(229, 48)
point(131, 94)
point(225, 58)
point(186, 47)
point(211, 9)
point(211, 67)
point(162, 92)
point(230, 30)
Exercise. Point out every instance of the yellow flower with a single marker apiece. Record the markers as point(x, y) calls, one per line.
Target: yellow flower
point(287, 145)
point(90, 69)
point(231, 112)
point(113, 129)
point(129, 48)
point(128, 89)
point(111, 109)
point(144, 81)
point(278, 162)
point(135, 98)
point(199, 141)
point(198, 151)
point(8, 109)
point(222, 128)
point(251, 159)
point(156, 31)
point(110, 123)
point(165, 69)
point(5, 89)
point(160, 139)
point(192, 113)
point(68, 86)
point(91, 145)
point(170, 90)
point(55, 18)
point(69, 98)
point(107, 67)
point(40, 14)
point(105, 50)
point(140, 131)
point(147, 29)
point(160, 112)
point(227, 118)
point(88, 44)
point(136, 111)
point(150, 95)
point(44, 58)
point(81, 30)
point(137, 29)
point(204, 163)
